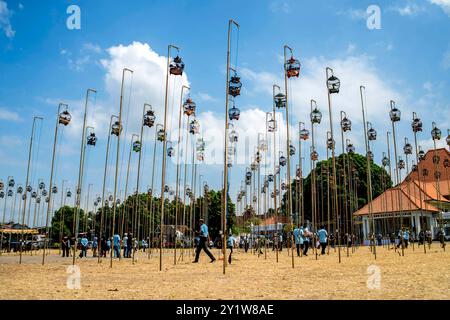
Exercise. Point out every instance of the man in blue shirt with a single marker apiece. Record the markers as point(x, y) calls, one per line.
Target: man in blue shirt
point(84, 242)
point(203, 236)
point(230, 244)
point(304, 234)
point(116, 244)
point(298, 240)
point(323, 238)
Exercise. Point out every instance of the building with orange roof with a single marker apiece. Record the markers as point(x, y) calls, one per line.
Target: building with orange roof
point(420, 202)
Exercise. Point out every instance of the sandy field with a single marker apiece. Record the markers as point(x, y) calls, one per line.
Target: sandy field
point(413, 276)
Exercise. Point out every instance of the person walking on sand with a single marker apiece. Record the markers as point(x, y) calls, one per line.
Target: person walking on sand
point(305, 234)
point(116, 244)
point(323, 237)
point(84, 243)
point(230, 244)
point(203, 238)
point(298, 240)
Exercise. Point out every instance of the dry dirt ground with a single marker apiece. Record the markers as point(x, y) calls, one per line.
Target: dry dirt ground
point(414, 276)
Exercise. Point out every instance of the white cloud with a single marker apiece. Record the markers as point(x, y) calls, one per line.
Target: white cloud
point(9, 115)
point(78, 64)
point(354, 14)
point(92, 47)
point(279, 6)
point(202, 96)
point(5, 24)
point(444, 4)
point(21, 6)
point(409, 9)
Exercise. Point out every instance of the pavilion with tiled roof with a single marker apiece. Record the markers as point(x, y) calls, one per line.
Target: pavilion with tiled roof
point(419, 202)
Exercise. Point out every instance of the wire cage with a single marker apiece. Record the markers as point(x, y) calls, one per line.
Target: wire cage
point(292, 67)
point(333, 84)
point(189, 107)
point(350, 148)
point(416, 125)
point(176, 67)
point(149, 118)
point(116, 128)
point(234, 85)
point(137, 146)
point(316, 116)
point(64, 118)
point(91, 139)
point(346, 124)
point(395, 114)
point(280, 100)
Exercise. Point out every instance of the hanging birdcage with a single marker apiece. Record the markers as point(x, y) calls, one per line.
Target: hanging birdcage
point(280, 100)
point(314, 156)
point(436, 159)
point(371, 134)
point(10, 193)
point(233, 136)
point(170, 149)
point(330, 143)
point(176, 66)
point(111, 198)
point(254, 166)
point(292, 67)
point(436, 133)
point(41, 185)
point(271, 125)
point(47, 199)
point(333, 84)
point(64, 118)
point(95, 203)
point(2, 194)
point(24, 196)
point(11, 183)
point(270, 177)
point(149, 191)
point(166, 188)
point(283, 185)
point(54, 189)
point(161, 135)
point(350, 148)
point(137, 146)
point(91, 139)
point(205, 188)
point(446, 163)
point(234, 85)
point(263, 145)
point(282, 161)
point(416, 125)
point(414, 168)
point(2, 185)
point(34, 194)
point(258, 157)
point(234, 113)
point(116, 128)
point(298, 173)
point(189, 107)
point(44, 193)
point(38, 200)
point(316, 116)
point(99, 199)
point(248, 175)
point(291, 150)
point(29, 188)
point(106, 202)
point(117, 201)
point(200, 145)
point(188, 191)
point(407, 149)
point(69, 194)
point(395, 114)
point(272, 195)
point(200, 156)
point(194, 127)
point(19, 190)
point(437, 174)
point(385, 161)
point(401, 164)
point(149, 118)
point(421, 154)
point(304, 134)
point(425, 172)
point(346, 124)
point(370, 155)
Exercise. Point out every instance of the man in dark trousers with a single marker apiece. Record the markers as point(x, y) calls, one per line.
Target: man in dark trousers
point(203, 236)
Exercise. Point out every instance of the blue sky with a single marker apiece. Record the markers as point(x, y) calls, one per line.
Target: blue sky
point(43, 63)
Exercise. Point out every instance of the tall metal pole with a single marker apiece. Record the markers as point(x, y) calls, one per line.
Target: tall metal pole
point(437, 176)
point(275, 172)
point(369, 175)
point(117, 163)
point(288, 154)
point(51, 175)
point(344, 155)
point(152, 211)
point(177, 188)
point(102, 214)
point(26, 184)
point(225, 165)
point(80, 176)
point(164, 155)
